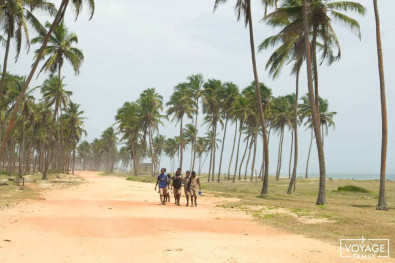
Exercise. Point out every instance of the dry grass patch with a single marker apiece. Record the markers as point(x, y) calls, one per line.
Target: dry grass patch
point(12, 194)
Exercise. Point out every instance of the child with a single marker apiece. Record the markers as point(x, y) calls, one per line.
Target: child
point(194, 182)
point(169, 187)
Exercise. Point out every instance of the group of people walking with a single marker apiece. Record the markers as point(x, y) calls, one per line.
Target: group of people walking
point(167, 184)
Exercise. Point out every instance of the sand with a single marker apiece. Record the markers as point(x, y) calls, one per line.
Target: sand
point(109, 219)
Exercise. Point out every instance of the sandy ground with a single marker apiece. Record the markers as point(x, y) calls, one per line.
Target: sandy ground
point(109, 219)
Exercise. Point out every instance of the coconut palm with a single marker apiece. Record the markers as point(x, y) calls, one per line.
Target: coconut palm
point(212, 99)
point(109, 144)
point(189, 135)
point(242, 109)
point(55, 95)
point(202, 146)
point(282, 111)
point(326, 119)
point(84, 152)
point(266, 100)
point(73, 120)
point(129, 125)
point(158, 146)
point(181, 104)
point(78, 5)
point(195, 85)
point(26, 110)
point(316, 17)
point(17, 17)
point(382, 203)
point(59, 48)
point(243, 9)
point(171, 149)
point(231, 91)
point(151, 105)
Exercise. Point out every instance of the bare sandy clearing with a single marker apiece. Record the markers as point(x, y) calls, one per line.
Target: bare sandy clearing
point(110, 219)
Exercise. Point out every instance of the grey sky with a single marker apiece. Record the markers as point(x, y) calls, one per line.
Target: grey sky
point(131, 45)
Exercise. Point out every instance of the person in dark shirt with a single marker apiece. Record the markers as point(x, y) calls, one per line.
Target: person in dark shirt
point(177, 184)
point(162, 181)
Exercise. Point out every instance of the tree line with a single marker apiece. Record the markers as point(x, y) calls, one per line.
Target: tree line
point(222, 104)
point(47, 130)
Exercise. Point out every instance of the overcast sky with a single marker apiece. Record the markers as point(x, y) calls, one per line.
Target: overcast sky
point(131, 45)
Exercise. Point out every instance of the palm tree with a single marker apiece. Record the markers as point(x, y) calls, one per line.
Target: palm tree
point(326, 119)
point(266, 101)
point(230, 93)
point(17, 16)
point(158, 146)
point(243, 8)
point(150, 105)
point(171, 149)
point(73, 120)
point(282, 111)
point(202, 146)
point(290, 50)
point(316, 17)
point(60, 48)
point(109, 143)
point(195, 85)
point(84, 152)
point(382, 203)
point(55, 95)
point(128, 119)
point(181, 104)
point(212, 101)
point(78, 5)
point(189, 135)
point(26, 110)
point(242, 109)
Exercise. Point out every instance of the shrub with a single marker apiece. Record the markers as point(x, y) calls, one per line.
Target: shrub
point(352, 188)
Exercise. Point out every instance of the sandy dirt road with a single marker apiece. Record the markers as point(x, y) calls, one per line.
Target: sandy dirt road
point(109, 219)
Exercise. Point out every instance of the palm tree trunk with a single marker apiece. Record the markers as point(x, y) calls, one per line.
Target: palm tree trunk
point(254, 156)
point(222, 150)
point(238, 149)
point(211, 159)
point(72, 141)
point(214, 150)
point(259, 98)
point(280, 154)
point(57, 19)
point(290, 156)
point(382, 204)
point(244, 155)
point(315, 118)
point(4, 74)
point(248, 158)
point(58, 129)
point(233, 149)
point(151, 151)
point(315, 69)
point(293, 178)
point(181, 144)
point(35, 162)
point(308, 156)
point(194, 141)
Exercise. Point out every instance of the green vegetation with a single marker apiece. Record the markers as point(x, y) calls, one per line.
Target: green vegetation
point(352, 188)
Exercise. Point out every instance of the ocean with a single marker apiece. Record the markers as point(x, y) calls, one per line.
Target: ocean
point(349, 176)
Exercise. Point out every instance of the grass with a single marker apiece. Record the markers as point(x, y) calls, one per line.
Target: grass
point(12, 194)
point(350, 211)
point(352, 188)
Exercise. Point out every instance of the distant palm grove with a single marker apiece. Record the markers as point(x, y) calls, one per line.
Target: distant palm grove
point(44, 133)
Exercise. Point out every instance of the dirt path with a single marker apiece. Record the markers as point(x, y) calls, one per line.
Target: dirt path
point(110, 219)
